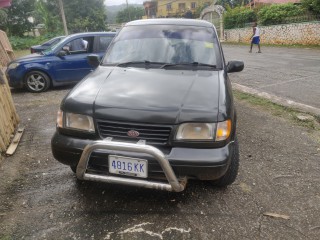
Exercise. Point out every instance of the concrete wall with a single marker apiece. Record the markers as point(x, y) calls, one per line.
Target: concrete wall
point(296, 33)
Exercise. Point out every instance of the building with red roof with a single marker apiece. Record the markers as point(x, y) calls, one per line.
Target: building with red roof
point(5, 3)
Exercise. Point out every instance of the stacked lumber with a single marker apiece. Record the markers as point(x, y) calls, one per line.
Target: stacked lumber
point(6, 52)
point(8, 116)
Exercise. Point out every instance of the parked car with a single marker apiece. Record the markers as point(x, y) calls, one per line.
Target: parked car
point(64, 63)
point(158, 107)
point(46, 45)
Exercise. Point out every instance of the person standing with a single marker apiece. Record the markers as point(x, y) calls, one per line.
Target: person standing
point(255, 38)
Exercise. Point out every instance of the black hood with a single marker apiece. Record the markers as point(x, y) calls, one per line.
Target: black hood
point(148, 95)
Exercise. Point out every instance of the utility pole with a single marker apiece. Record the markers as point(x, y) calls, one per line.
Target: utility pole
point(128, 10)
point(63, 18)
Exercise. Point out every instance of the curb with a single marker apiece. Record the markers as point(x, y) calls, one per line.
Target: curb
point(278, 100)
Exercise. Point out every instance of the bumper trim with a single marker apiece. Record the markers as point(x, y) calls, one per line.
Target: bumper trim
point(173, 183)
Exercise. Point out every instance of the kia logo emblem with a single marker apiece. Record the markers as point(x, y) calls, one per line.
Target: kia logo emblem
point(133, 133)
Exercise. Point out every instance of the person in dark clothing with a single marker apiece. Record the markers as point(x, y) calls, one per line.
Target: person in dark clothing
point(188, 14)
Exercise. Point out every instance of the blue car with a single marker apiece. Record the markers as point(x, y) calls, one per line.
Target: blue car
point(63, 64)
point(46, 45)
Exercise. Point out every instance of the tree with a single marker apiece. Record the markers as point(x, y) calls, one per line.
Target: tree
point(311, 5)
point(135, 14)
point(232, 3)
point(278, 13)
point(3, 19)
point(18, 14)
point(84, 15)
point(47, 12)
point(238, 17)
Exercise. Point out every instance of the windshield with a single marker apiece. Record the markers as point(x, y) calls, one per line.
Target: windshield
point(52, 47)
point(166, 44)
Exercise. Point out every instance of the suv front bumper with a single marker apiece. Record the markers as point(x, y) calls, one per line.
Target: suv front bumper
point(180, 163)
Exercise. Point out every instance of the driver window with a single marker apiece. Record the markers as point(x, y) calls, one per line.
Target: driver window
point(79, 46)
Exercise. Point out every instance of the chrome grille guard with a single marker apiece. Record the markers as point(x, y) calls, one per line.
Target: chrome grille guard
point(173, 184)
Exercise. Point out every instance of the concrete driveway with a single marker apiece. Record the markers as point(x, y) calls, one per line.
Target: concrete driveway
point(290, 73)
point(279, 173)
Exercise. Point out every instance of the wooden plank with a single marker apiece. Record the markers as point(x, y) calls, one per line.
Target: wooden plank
point(6, 109)
point(5, 134)
point(3, 146)
point(14, 118)
point(15, 142)
point(9, 118)
point(5, 138)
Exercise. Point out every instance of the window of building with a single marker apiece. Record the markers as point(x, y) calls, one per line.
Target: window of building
point(169, 7)
point(193, 5)
point(182, 6)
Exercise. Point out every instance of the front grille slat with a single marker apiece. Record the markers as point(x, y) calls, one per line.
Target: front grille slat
point(110, 132)
point(138, 129)
point(153, 134)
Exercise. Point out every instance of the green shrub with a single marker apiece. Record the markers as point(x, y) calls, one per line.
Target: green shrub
point(311, 5)
point(278, 13)
point(238, 17)
point(21, 43)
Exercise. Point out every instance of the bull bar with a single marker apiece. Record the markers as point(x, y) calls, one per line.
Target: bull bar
point(173, 184)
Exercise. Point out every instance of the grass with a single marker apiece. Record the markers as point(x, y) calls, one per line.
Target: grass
point(278, 110)
point(20, 53)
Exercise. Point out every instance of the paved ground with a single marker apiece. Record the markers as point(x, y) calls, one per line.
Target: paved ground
point(279, 173)
point(291, 73)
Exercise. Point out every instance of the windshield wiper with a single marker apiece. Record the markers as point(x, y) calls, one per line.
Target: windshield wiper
point(145, 62)
point(194, 64)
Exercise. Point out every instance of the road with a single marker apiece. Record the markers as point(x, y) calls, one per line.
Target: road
point(290, 73)
point(279, 173)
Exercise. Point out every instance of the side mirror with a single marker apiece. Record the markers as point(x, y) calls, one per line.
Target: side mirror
point(62, 53)
point(93, 60)
point(235, 66)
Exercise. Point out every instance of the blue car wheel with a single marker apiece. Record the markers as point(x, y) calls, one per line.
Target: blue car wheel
point(37, 81)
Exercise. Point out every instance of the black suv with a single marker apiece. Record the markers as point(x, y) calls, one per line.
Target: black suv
point(157, 111)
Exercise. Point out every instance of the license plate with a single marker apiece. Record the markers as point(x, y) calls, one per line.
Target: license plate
point(133, 167)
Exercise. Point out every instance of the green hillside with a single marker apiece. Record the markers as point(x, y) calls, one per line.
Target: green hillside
point(113, 10)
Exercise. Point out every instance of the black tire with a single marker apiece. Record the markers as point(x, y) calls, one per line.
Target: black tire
point(36, 81)
point(230, 176)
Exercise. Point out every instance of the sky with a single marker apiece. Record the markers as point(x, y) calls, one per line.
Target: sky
point(118, 2)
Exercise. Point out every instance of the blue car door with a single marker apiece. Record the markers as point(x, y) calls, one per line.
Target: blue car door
point(74, 66)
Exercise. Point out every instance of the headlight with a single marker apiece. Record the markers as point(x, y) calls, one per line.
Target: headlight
point(13, 65)
point(204, 131)
point(75, 121)
point(196, 131)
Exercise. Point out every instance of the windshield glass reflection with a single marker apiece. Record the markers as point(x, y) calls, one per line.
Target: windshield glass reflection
point(164, 44)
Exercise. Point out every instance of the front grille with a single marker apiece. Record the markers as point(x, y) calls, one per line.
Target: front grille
point(153, 134)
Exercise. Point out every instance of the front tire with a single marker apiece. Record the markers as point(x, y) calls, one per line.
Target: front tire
point(230, 176)
point(37, 81)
